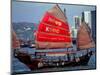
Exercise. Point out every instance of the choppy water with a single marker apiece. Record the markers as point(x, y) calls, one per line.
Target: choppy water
point(19, 67)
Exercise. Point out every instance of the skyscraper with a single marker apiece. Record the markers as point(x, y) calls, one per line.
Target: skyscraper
point(77, 21)
point(93, 22)
point(90, 18)
point(86, 15)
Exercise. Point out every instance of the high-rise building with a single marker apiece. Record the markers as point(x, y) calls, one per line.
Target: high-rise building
point(93, 22)
point(90, 18)
point(86, 15)
point(74, 32)
point(77, 21)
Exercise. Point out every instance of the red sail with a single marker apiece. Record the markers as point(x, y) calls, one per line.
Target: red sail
point(15, 41)
point(53, 32)
point(84, 39)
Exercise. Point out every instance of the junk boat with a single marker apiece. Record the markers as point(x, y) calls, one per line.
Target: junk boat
point(53, 33)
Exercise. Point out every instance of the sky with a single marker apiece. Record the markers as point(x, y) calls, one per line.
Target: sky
point(33, 12)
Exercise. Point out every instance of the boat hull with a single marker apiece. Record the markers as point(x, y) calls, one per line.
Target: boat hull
point(34, 63)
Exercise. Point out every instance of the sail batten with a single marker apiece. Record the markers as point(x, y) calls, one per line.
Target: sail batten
point(84, 38)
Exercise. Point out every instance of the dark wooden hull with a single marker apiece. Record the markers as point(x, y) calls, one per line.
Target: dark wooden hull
point(33, 63)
